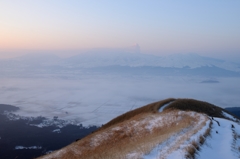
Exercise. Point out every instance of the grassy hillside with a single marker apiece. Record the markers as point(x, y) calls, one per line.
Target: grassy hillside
point(150, 108)
point(197, 106)
point(137, 132)
point(180, 104)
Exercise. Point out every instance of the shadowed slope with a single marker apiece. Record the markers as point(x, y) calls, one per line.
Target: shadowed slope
point(198, 106)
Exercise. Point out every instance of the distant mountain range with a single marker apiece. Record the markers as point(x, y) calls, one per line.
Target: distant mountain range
point(106, 60)
point(135, 60)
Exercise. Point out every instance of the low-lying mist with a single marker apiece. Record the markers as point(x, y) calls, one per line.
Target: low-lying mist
point(94, 99)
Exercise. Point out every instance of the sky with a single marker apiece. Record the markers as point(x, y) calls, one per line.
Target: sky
point(158, 27)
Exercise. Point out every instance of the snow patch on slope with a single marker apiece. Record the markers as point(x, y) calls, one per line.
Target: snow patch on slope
point(220, 144)
point(223, 143)
point(228, 116)
point(174, 147)
point(164, 106)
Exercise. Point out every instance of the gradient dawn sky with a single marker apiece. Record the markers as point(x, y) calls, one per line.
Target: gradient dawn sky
point(207, 27)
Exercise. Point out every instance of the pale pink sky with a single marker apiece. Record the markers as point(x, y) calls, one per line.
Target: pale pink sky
point(159, 27)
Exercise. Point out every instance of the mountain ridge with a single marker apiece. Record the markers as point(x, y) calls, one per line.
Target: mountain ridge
point(164, 129)
point(121, 63)
point(94, 59)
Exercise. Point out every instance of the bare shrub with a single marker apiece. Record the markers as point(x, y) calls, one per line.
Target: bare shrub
point(191, 152)
point(201, 140)
point(208, 131)
point(193, 149)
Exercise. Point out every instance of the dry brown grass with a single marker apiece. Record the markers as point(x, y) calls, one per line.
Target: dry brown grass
point(194, 147)
point(235, 142)
point(197, 106)
point(192, 151)
point(125, 138)
point(150, 108)
point(198, 124)
point(140, 141)
point(181, 104)
point(201, 139)
point(208, 131)
point(111, 142)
